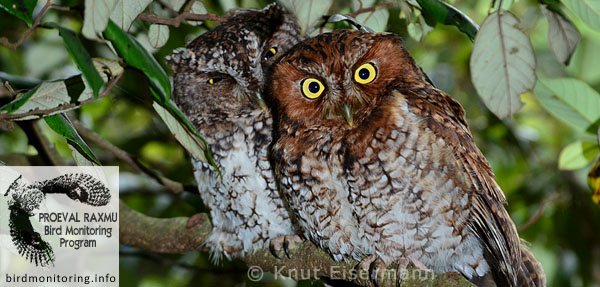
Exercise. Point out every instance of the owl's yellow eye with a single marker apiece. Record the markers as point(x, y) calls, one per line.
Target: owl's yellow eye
point(213, 81)
point(365, 74)
point(312, 88)
point(272, 52)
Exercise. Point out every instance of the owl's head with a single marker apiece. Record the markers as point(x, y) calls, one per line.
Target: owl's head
point(338, 78)
point(224, 69)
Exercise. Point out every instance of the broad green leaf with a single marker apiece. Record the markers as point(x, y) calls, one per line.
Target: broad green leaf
point(587, 10)
point(126, 11)
point(194, 145)
point(82, 59)
point(418, 28)
point(158, 35)
point(136, 56)
point(52, 94)
point(562, 35)
point(339, 17)
point(62, 125)
point(502, 64)
point(22, 9)
point(577, 155)
point(436, 11)
point(376, 20)
point(79, 158)
point(197, 8)
point(96, 16)
point(174, 4)
point(570, 100)
point(46, 96)
point(308, 12)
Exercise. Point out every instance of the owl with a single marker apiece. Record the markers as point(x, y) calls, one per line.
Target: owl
point(380, 166)
point(218, 84)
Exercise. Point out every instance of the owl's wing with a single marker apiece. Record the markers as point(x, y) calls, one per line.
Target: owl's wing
point(490, 221)
point(77, 186)
point(29, 243)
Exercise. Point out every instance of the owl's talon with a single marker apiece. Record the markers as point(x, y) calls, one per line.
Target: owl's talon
point(273, 250)
point(285, 242)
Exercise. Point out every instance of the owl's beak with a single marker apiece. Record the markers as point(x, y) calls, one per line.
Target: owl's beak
point(348, 114)
point(261, 101)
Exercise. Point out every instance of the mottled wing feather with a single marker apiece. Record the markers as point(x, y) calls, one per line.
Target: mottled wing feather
point(77, 186)
point(29, 243)
point(492, 224)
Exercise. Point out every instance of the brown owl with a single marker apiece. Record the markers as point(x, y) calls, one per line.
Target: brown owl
point(218, 80)
point(380, 166)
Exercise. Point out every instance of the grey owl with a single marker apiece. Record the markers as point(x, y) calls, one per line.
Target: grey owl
point(218, 82)
point(380, 166)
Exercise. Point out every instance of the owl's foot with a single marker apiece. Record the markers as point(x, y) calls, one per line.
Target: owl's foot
point(404, 263)
point(376, 270)
point(379, 273)
point(285, 242)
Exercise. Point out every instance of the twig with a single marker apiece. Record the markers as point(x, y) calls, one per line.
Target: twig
point(64, 107)
point(539, 212)
point(185, 15)
point(10, 89)
point(370, 9)
point(13, 46)
point(172, 186)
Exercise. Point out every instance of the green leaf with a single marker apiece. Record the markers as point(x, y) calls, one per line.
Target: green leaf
point(52, 94)
point(175, 4)
point(197, 8)
point(95, 17)
point(436, 11)
point(376, 20)
point(192, 143)
point(126, 11)
point(577, 155)
point(46, 96)
point(82, 59)
point(22, 9)
point(308, 12)
point(62, 125)
point(357, 24)
point(502, 64)
point(562, 35)
point(587, 10)
point(136, 56)
point(158, 35)
point(570, 100)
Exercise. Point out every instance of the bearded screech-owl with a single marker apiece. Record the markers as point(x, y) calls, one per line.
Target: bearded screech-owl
point(380, 166)
point(219, 78)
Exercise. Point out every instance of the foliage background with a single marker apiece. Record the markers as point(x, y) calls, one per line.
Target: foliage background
point(523, 149)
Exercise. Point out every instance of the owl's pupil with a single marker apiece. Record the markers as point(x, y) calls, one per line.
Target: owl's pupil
point(364, 73)
point(313, 87)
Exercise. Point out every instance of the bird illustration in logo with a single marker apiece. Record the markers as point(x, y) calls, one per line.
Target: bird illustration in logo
point(25, 198)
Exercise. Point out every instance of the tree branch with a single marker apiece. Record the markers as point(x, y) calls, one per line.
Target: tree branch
point(180, 235)
point(370, 9)
point(538, 214)
point(172, 186)
point(61, 108)
point(36, 23)
point(185, 15)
